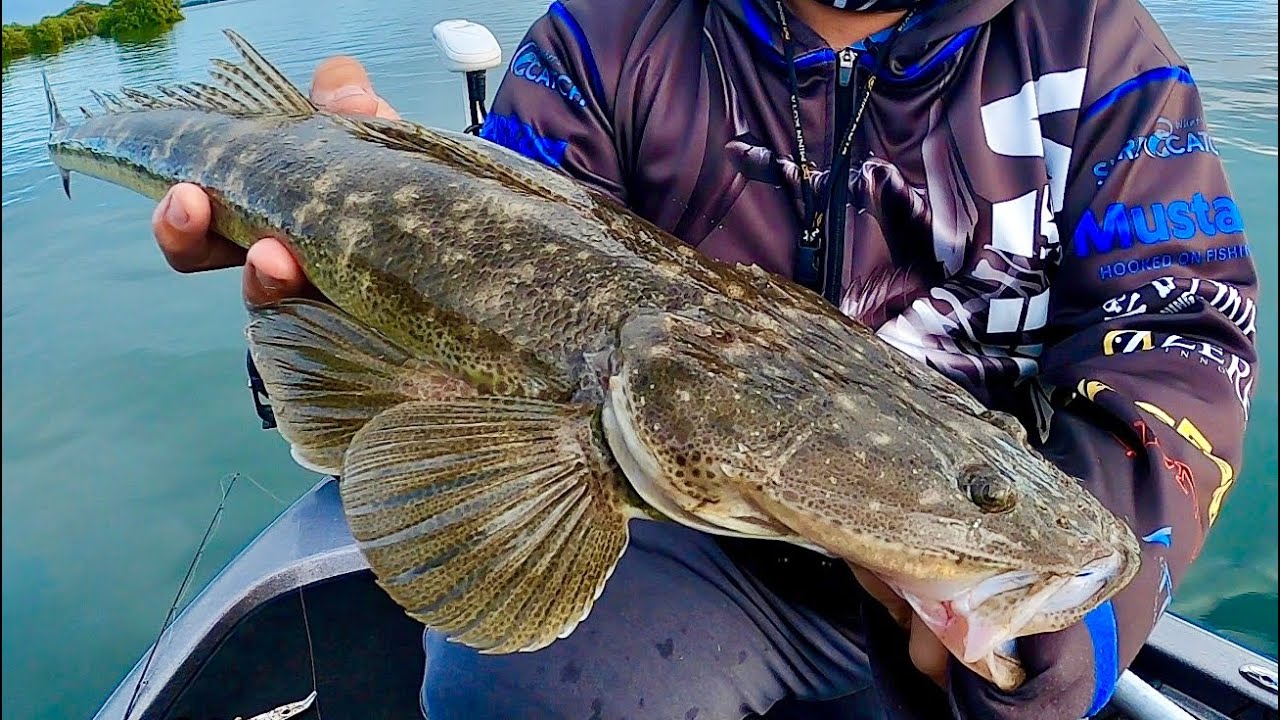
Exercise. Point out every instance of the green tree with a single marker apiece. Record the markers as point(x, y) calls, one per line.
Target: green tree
point(118, 19)
point(124, 17)
point(15, 42)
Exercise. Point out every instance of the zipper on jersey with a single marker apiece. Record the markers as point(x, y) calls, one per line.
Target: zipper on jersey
point(846, 97)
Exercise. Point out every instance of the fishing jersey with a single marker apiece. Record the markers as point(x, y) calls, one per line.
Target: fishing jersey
point(1035, 206)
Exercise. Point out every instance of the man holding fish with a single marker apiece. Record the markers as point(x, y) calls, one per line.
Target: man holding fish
point(936, 171)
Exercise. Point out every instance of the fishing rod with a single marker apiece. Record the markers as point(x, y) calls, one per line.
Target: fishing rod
point(283, 712)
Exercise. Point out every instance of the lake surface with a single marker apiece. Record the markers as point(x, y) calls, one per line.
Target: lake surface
point(123, 383)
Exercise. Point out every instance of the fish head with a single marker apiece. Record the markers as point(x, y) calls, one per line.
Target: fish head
point(1000, 544)
point(983, 537)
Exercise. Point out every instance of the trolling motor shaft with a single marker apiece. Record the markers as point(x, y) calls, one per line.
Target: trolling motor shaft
point(469, 48)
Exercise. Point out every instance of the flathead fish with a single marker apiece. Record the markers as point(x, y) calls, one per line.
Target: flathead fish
point(512, 367)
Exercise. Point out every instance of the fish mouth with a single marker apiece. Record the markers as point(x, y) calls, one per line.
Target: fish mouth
point(978, 623)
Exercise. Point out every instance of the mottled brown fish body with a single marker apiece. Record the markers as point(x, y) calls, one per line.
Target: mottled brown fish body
point(513, 367)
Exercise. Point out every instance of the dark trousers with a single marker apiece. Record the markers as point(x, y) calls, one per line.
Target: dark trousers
point(685, 629)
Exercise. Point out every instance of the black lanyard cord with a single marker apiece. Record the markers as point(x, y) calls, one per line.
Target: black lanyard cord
point(811, 236)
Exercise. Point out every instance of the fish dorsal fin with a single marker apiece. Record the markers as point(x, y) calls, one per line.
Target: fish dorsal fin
point(474, 155)
point(251, 88)
point(266, 79)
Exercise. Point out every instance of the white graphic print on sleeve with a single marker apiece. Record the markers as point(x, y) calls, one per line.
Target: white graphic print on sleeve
point(972, 327)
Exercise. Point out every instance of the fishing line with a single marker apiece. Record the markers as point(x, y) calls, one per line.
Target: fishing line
point(302, 601)
point(225, 484)
point(311, 654)
point(306, 622)
point(264, 489)
point(182, 589)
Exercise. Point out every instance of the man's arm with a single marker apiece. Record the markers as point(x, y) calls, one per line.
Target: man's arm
point(554, 103)
point(1151, 345)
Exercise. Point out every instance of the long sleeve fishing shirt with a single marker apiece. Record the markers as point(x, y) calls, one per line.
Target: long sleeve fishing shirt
point(1032, 203)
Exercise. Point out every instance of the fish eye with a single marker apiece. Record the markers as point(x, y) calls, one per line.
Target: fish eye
point(987, 489)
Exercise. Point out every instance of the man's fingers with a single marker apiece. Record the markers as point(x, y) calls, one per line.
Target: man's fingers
point(272, 274)
point(927, 652)
point(898, 608)
point(342, 85)
point(180, 224)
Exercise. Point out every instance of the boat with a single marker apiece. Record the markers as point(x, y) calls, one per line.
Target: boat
point(301, 592)
point(295, 626)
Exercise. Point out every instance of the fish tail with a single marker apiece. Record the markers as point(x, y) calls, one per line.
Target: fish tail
point(56, 120)
point(57, 123)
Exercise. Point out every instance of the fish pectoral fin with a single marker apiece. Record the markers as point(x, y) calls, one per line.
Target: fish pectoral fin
point(326, 376)
point(494, 521)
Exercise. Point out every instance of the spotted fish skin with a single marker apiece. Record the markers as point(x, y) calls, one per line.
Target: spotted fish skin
point(511, 367)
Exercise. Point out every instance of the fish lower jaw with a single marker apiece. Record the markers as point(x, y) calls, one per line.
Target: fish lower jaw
point(977, 621)
point(981, 643)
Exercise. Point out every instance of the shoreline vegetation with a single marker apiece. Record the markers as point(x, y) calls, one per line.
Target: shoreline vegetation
point(118, 19)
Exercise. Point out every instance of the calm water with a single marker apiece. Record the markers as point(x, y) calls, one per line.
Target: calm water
point(123, 382)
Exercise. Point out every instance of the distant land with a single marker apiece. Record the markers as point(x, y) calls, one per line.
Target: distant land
point(119, 19)
point(29, 12)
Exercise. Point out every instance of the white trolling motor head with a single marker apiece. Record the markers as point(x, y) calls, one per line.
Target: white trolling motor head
point(469, 48)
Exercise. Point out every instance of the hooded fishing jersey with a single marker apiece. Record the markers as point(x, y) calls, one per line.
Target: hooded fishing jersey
point(1033, 204)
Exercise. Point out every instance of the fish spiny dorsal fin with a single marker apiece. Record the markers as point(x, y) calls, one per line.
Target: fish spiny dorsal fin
point(239, 86)
point(188, 97)
point(261, 72)
point(142, 98)
point(213, 96)
point(110, 103)
point(251, 88)
point(194, 98)
point(176, 98)
point(474, 155)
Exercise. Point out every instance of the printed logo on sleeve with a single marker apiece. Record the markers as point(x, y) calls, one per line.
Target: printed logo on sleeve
point(1238, 371)
point(1156, 223)
point(1168, 294)
point(1169, 139)
point(537, 66)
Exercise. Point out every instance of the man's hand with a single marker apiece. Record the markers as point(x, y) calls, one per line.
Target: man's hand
point(927, 652)
point(181, 220)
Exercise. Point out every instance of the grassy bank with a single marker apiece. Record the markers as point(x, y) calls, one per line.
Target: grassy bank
point(118, 19)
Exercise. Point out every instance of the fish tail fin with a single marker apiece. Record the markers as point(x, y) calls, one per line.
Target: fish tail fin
point(56, 120)
point(326, 376)
point(495, 521)
point(57, 123)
